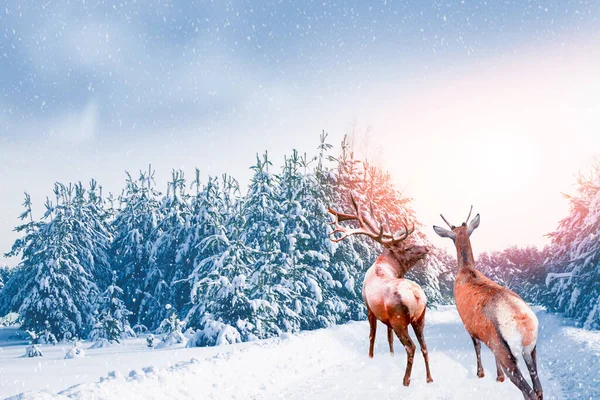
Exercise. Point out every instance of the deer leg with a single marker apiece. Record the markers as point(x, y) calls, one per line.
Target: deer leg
point(510, 367)
point(531, 362)
point(500, 377)
point(391, 339)
point(372, 331)
point(477, 345)
point(402, 333)
point(418, 327)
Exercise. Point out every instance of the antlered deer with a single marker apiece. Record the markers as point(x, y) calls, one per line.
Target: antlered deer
point(493, 314)
point(391, 299)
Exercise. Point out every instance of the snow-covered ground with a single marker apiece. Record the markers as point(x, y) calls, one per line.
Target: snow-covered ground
point(324, 364)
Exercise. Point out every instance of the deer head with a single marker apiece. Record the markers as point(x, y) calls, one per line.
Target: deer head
point(378, 231)
point(460, 236)
point(465, 228)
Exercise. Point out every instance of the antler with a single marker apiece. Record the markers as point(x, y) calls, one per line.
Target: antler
point(466, 222)
point(366, 227)
point(448, 223)
point(469, 216)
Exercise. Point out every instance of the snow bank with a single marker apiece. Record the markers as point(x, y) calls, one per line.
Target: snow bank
point(324, 364)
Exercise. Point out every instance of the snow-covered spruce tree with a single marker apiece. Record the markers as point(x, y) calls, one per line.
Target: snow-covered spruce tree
point(211, 212)
point(305, 247)
point(92, 232)
point(137, 217)
point(165, 279)
point(351, 257)
point(61, 258)
point(321, 195)
point(371, 185)
point(263, 233)
point(112, 324)
point(574, 277)
point(199, 224)
point(222, 308)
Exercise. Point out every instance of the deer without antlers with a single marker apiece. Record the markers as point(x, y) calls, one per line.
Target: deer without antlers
point(391, 299)
point(493, 314)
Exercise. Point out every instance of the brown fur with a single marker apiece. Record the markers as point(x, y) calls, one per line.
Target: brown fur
point(476, 296)
point(397, 302)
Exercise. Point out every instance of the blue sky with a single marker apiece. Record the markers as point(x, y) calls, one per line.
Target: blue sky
point(91, 90)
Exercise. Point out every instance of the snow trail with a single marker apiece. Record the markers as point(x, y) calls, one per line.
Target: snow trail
point(326, 364)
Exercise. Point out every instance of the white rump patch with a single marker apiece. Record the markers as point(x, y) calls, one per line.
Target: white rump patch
point(510, 329)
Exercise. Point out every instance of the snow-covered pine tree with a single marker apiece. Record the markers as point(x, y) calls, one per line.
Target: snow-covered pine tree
point(211, 210)
point(222, 310)
point(220, 293)
point(574, 280)
point(263, 233)
point(165, 277)
point(370, 184)
point(60, 260)
point(305, 247)
point(135, 221)
point(354, 255)
point(325, 193)
point(93, 232)
point(112, 324)
point(9, 295)
point(194, 230)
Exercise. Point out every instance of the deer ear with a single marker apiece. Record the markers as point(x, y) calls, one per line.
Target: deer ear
point(473, 224)
point(444, 232)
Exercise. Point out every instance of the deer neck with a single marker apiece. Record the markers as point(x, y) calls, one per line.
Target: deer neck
point(464, 252)
point(390, 265)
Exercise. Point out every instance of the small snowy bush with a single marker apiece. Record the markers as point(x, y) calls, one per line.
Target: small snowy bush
point(171, 328)
point(47, 337)
point(75, 352)
point(215, 333)
point(150, 340)
point(34, 351)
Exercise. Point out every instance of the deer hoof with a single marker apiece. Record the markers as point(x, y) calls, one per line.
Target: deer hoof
point(480, 374)
point(500, 379)
point(429, 380)
point(406, 382)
